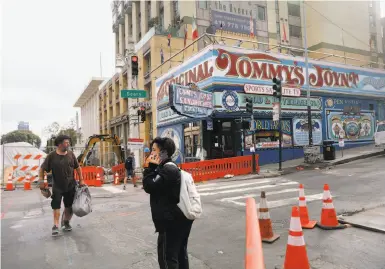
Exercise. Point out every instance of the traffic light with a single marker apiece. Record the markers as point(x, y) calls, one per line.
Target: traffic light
point(142, 114)
point(134, 65)
point(277, 88)
point(249, 105)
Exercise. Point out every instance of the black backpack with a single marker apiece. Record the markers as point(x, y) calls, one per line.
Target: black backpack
point(128, 163)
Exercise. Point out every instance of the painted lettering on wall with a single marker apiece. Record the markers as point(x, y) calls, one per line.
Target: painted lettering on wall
point(194, 75)
point(270, 125)
point(265, 67)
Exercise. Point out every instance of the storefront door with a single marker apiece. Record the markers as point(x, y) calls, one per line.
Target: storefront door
point(223, 141)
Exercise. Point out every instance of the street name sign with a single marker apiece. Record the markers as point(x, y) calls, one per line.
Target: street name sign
point(133, 93)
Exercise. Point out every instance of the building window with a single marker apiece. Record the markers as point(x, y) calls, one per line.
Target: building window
point(373, 41)
point(224, 8)
point(372, 21)
point(243, 12)
point(239, 10)
point(371, 107)
point(220, 6)
point(294, 10)
point(261, 13)
point(231, 8)
point(278, 28)
point(295, 31)
point(370, 3)
point(251, 13)
point(175, 6)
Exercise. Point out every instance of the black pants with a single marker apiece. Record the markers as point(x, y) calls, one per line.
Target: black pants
point(172, 245)
point(57, 196)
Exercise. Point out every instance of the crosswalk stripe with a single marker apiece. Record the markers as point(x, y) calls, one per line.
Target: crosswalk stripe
point(113, 189)
point(250, 188)
point(235, 185)
point(283, 202)
point(268, 194)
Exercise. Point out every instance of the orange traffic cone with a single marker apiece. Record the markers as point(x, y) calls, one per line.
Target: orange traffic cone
point(98, 182)
point(45, 181)
point(329, 219)
point(296, 255)
point(10, 186)
point(116, 179)
point(266, 227)
point(27, 183)
point(303, 212)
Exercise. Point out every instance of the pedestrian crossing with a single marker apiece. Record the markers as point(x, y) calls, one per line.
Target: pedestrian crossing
point(279, 191)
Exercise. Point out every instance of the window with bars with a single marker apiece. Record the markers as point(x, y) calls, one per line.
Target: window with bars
point(295, 31)
point(261, 15)
point(203, 4)
point(294, 10)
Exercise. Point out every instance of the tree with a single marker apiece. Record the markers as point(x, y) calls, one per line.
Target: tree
point(71, 133)
point(21, 136)
point(52, 129)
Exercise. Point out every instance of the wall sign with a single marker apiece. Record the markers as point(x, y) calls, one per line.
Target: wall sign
point(268, 90)
point(233, 101)
point(232, 23)
point(190, 103)
point(119, 119)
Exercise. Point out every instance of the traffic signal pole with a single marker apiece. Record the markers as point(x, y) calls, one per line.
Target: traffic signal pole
point(253, 158)
point(280, 137)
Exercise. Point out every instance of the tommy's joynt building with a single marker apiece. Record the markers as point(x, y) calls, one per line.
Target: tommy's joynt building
point(346, 102)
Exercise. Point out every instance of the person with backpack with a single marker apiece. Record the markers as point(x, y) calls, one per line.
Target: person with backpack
point(129, 164)
point(162, 180)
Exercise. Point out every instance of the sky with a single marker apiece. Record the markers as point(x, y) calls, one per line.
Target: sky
point(49, 52)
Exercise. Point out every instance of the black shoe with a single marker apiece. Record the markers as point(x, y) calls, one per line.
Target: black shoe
point(135, 186)
point(67, 226)
point(124, 187)
point(55, 231)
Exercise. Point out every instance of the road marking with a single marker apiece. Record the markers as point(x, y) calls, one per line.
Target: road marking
point(279, 203)
point(255, 195)
point(112, 189)
point(250, 188)
point(373, 174)
point(234, 185)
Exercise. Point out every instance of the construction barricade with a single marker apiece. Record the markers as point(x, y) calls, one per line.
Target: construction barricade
point(218, 168)
point(120, 170)
point(90, 173)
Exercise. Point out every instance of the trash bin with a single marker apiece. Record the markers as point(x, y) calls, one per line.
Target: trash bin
point(329, 150)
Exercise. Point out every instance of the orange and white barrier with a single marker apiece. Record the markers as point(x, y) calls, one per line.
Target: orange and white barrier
point(45, 181)
point(254, 253)
point(329, 219)
point(27, 184)
point(303, 212)
point(296, 255)
point(264, 220)
point(9, 186)
point(116, 180)
point(98, 182)
point(26, 164)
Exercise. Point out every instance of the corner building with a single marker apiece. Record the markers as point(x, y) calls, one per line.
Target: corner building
point(345, 101)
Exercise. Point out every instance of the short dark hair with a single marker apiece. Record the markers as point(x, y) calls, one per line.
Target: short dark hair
point(61, 138)
point(165, 143)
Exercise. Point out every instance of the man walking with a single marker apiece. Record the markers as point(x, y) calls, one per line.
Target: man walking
point(62, 163)
point(129, 164)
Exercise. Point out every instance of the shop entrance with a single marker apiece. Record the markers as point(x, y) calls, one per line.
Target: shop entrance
point(223, 140)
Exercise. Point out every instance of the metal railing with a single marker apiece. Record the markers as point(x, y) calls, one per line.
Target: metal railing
point(211, 39)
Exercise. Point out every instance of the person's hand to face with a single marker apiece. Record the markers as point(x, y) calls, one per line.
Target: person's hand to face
point(154, 156)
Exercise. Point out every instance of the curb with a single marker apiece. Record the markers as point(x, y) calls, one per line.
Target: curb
point(363, 227)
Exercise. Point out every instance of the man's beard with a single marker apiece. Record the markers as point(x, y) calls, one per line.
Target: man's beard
point(64, 149)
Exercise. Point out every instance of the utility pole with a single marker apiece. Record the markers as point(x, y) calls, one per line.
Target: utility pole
point(310, 127)
point(277, 87)
point(249, 110)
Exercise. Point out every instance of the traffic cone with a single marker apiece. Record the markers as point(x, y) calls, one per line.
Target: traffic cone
point(98, 182)
point(10, 186)
point(27, 183)
point(116, 179)
point(329, 219)
point(45, 181)
point(265, 225)
point(296, 255)
point(303, 212)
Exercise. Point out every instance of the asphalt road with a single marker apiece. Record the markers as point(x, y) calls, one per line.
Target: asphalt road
point(119, 232)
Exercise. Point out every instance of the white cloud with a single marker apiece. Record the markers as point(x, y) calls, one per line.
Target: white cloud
point(50, 50)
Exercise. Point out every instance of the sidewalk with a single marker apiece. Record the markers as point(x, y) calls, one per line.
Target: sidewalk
point(349, 155)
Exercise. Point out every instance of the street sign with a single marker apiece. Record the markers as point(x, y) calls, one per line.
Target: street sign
point(276, 110)
point(133, 93)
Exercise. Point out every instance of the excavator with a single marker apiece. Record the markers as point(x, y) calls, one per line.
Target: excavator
point(92, 140)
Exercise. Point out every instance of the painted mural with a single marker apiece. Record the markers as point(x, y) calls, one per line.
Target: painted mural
point(175, 133)
point(301, 132)
point(350, 119)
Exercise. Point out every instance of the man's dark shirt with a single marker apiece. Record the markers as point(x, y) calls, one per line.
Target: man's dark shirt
point(62, 167)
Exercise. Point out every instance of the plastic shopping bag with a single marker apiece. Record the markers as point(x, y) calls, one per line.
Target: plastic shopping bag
point(82, 202)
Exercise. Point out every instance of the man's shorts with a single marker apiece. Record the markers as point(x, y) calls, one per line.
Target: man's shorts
point(68, 198)
point(129, 173)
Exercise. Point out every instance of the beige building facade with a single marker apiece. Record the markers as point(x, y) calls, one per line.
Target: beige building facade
point(142, 28)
